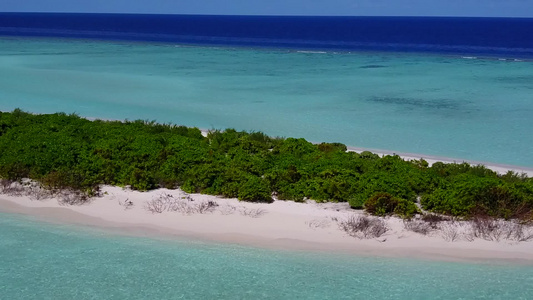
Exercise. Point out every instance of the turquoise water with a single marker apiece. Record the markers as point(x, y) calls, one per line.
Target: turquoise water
point(476, 109)
point(44, 261)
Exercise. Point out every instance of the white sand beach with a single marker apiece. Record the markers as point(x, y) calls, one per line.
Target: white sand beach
point(281, 225)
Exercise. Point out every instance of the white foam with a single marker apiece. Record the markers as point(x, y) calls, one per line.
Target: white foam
point(315, 52)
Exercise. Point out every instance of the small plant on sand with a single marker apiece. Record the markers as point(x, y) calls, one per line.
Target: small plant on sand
point(522, 233)
point(227, 209)
point(253, 212)
point(433, 219)
point(418, 226)
point(185, 205)
point(450, 231)
point(318, 223)
point(495, 230)
point(72, 197)
point(127, 204)
point(206, 206)
point(11, 187)
point(157, 205)
point(36, 192)
point(363, 227)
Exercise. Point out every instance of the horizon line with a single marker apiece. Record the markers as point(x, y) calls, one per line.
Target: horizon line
point(266, 15)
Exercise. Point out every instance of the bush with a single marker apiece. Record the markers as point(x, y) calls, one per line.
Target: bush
point(256, 190)
point(368, 155)
point(473, 196)
point(384, 204)
point(387, 177)
point(331, 147)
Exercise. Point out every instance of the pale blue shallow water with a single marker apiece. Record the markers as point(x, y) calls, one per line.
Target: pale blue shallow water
point(475, 109)
point(45, 261)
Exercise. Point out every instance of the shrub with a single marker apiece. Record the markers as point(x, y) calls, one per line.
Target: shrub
point(384, 204)
point(297, 147)
point(368, 155)
point(388, 178)
point(471, 196)
point(331, 147)
point(256, 190)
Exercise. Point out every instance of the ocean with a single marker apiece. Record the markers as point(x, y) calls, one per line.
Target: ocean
point(45, 261)
point(450, 87)
point(496, 37)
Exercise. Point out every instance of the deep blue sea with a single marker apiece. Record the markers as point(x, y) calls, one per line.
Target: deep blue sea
point(494, 37)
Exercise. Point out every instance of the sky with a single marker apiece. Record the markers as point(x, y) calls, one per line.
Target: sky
point(458, 8)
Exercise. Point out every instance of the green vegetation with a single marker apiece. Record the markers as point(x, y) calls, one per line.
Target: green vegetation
point(384, 204)
point(68, 152)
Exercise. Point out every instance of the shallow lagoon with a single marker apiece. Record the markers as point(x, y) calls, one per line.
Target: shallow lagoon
point(45, 261)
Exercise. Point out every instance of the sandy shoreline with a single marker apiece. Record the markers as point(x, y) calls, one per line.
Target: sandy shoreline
point(280, 225)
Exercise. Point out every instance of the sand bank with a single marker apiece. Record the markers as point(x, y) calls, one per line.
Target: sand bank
point(281, 225)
